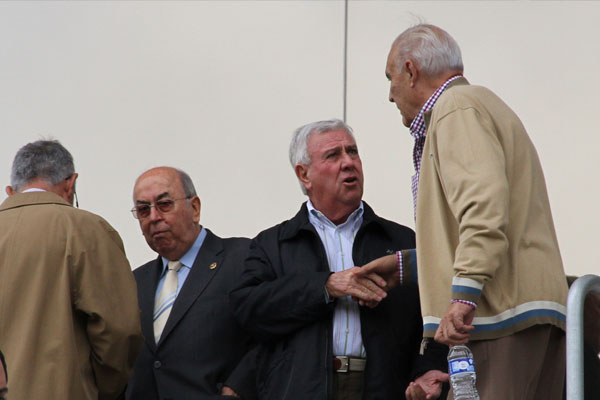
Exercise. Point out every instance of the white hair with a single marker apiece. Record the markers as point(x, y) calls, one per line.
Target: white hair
point(431, 48)
point(299, 144)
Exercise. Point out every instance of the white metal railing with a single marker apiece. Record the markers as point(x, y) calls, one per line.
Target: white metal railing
point(575, 303)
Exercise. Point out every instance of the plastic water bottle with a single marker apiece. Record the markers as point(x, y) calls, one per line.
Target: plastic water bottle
point(462, 373)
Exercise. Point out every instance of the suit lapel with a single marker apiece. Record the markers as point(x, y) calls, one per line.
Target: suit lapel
point(206, 266)
point(147, 291)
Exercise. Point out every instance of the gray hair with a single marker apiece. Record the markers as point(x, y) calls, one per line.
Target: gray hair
point(44, 159)
point(299, 145)
point(188, 186)
point(431, 48)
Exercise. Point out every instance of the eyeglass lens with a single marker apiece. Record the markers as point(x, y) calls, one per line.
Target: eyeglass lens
point(143, 210)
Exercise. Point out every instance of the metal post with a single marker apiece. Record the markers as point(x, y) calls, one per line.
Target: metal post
point(575, 302)
point(345, 93)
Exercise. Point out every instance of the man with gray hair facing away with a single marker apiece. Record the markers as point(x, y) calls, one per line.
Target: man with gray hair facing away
point(489, 266)
point(296, 292)
point(70, 318)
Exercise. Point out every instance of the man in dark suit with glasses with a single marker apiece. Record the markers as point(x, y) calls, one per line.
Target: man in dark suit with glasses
point(194, 348)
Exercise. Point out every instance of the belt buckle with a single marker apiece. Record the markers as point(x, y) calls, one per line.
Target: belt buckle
point(344, 362)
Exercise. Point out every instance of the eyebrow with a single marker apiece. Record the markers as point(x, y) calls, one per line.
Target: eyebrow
point(160, 196)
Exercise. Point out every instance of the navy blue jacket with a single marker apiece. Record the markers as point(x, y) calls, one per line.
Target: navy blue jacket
point(281, 301)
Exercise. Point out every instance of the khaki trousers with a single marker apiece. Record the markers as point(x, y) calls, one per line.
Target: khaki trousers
point(528, 365)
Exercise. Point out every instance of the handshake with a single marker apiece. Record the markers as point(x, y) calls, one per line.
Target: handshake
point(367, 284)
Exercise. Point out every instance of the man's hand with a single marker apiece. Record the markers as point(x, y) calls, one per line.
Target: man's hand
point(455, 325)
point(364, 287)
point(227, 391)
point(427, 387)
point(386, 268)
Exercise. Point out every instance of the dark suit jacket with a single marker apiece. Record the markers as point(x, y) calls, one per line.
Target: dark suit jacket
point(202, 346)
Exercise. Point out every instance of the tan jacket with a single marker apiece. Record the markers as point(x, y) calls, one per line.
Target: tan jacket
point(69, 316)
point(484, 226)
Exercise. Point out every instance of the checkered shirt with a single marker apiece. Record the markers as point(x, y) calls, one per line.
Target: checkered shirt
point(417, 131)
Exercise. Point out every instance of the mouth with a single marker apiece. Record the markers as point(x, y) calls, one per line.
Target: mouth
point(350, 180)
point(158, 233)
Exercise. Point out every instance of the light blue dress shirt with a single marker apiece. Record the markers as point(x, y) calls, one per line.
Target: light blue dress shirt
point(338, 241)
point(187, 262)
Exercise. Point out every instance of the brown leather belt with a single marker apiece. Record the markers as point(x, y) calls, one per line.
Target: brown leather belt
point(348, 364)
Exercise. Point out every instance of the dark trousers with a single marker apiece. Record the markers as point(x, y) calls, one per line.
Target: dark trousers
point(348, 386)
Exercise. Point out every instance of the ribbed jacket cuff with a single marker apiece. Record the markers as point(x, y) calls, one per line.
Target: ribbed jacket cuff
point(466, 289)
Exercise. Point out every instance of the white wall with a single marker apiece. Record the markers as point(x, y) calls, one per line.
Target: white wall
point(216, 88)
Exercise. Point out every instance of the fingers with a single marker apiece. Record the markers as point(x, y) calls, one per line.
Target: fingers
point(414, 391)
point(452, 329)
point(448, 335)
point(369, 287)
point(379, 281)
point(227, 391)
point(350, 283)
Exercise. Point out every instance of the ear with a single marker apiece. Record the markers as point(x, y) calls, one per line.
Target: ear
point(10, 191)
point(196, 205)
point(413, 73)
point(69, 188)
point(302, 174)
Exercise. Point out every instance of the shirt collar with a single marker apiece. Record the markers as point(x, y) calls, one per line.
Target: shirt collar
point(417, 127)
point(316, 215)
point(33, 189)
point(187, 260)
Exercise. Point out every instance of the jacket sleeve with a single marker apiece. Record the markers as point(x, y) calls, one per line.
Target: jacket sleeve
point(434, 357)
point(243, 378)
point(271, 305)
point(105, 296)
point(471, 164)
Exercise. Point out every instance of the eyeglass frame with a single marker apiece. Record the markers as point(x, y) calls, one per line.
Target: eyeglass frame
point(134, 210)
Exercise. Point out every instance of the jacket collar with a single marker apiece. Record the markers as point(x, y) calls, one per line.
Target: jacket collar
point(457, 82)
point(32, 198)
point(300, 222)
point(206, 265)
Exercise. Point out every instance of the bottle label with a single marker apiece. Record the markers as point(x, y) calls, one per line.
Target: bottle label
point(461, 365)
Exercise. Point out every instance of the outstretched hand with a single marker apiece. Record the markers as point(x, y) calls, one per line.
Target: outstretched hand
point(386, 268)
point(427, 387)
point(384, 272)
point(351, 282)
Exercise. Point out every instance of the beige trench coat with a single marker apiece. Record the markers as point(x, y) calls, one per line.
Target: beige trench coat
point(69, 316)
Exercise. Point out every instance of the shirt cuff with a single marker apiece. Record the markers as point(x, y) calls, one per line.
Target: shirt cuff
point(467, 302)
point(407, 266)
point(328, 299)
point(400, 272)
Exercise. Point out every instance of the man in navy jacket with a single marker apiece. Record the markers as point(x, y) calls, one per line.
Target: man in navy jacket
point(296, 292)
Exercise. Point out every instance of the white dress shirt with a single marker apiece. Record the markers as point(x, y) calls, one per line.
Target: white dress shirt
point(338, 241)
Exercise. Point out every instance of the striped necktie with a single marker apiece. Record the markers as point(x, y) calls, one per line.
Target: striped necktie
point(166, 298)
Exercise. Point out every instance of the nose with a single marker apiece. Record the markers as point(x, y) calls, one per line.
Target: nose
point(155, 215)
point(347, 160)
point(390, 96)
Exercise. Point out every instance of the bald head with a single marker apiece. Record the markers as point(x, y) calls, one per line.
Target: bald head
point(421, 59)
point(172, 222)
point(435, 53)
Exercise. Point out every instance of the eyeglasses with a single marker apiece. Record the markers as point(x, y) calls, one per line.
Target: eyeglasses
point(142, 211)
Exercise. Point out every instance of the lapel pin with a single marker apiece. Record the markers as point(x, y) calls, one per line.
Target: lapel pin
point(213, 265)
